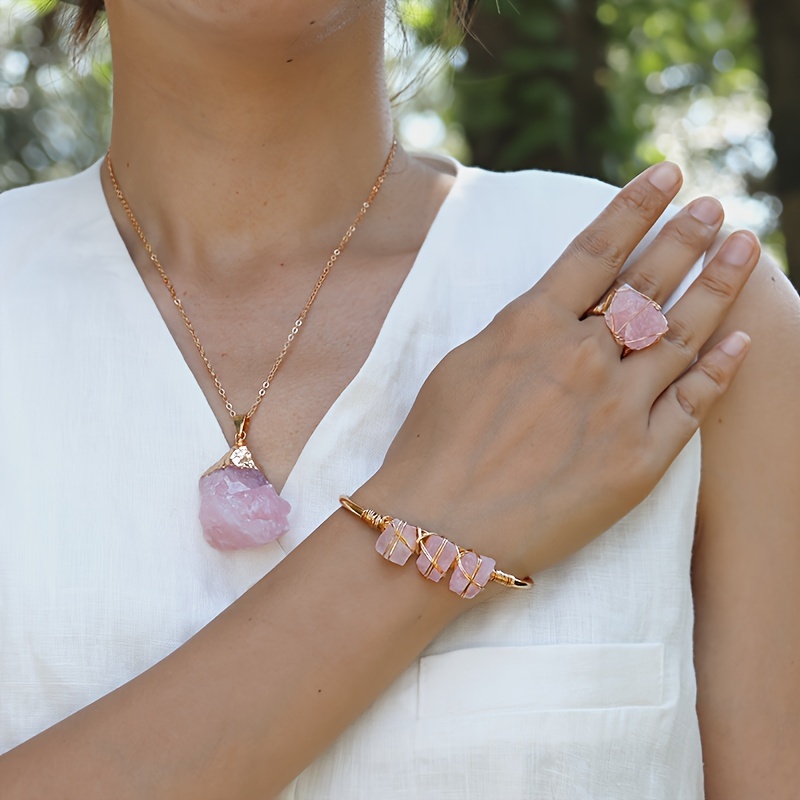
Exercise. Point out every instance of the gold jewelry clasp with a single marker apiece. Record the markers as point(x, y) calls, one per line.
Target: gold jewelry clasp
point(241, 421)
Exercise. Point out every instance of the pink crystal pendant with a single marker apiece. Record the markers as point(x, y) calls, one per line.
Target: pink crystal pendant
point(634, 319)
point(239, 508)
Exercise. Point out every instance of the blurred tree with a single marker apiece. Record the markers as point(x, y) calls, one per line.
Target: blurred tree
point(778, 23)
point(529, 94)
point(54, 108)
point(687, 76)
point(605, 89)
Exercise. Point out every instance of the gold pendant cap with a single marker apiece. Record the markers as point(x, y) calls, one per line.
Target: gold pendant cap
point(242, 422)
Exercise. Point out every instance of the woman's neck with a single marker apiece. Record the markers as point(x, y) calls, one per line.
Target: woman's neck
point(226, 148)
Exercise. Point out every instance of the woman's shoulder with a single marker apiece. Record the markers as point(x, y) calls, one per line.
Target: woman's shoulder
point(46, 193)
point(39, 217)
point(529, 210)
point(526, 219)
point(533, 195)
point(523, 192)
point(556, 186)
point(49, 205)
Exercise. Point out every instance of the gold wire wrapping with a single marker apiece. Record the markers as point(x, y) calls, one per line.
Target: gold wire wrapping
point(379, 522)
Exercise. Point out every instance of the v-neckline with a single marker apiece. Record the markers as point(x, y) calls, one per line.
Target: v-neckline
point(195, 394)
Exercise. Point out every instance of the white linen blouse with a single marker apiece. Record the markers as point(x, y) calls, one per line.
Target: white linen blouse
point(583, 687)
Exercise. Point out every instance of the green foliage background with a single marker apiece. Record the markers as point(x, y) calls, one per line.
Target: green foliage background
point(599, 88)
point(54, 106)
point(606, 89)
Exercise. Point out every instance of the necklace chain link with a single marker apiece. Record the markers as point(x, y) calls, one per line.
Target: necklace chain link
point(365, 206)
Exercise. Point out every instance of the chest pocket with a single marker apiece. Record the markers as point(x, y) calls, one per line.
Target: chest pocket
point(518, 680)
point(564, 722)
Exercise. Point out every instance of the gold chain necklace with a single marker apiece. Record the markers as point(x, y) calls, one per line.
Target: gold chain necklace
point(238, 506)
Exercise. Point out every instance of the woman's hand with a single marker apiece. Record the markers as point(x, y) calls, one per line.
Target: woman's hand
point(525, 442)
point(534, 437)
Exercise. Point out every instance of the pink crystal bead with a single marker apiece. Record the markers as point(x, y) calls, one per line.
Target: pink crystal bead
point(471, 573)
point(397, 542)
point(437, 555)
point(239, 508)
point(635, 319)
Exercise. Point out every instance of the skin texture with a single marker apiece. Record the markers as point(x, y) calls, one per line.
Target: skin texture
point(253, 94)
point(746, 566)
point(246, 238)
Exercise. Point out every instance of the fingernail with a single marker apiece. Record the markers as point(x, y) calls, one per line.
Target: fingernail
point(735, 344)
point(739, 249)
point(707, 210)
point(664, 176)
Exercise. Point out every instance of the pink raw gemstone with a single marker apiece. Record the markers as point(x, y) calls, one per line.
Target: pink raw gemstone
point(397, 542)
point(443, 554)
point(239, 508)
point(635, 318)
point(478, 568)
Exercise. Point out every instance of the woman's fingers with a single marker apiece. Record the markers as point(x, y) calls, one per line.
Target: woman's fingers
point(586, 270)
point(678, 412)
point(659, 271)
point(697, 314)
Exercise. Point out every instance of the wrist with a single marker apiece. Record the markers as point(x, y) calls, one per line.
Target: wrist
point(396, 495)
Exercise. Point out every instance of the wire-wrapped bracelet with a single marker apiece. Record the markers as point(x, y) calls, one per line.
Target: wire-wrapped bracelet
point(399, 539)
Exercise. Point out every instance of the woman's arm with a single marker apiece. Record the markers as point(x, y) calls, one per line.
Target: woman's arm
point(746, 569)
point(506, 447)
point(274, 677)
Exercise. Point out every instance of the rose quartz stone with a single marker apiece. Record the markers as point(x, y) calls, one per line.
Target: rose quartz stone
point(239, 508)
point(397, 542)
point(442, 551)
point(479, 568)
point(635, 318)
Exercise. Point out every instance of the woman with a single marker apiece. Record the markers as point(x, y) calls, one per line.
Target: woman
point(455, 372)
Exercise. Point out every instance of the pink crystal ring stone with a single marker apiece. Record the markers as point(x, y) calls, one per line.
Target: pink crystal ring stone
point(635, 320)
